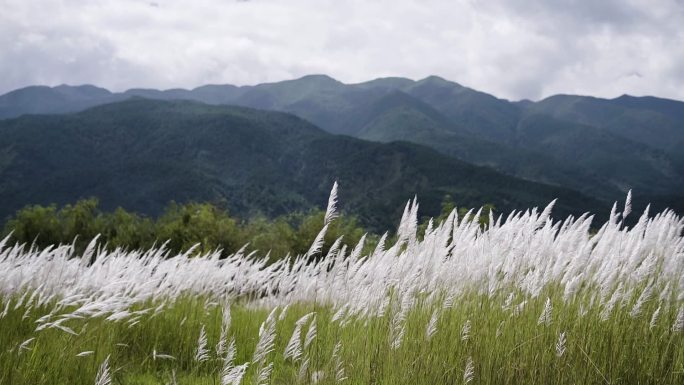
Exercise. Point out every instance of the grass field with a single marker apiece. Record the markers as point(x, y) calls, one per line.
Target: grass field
point(525, 301)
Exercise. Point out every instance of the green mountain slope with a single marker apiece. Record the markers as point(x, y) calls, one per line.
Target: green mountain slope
point(619, 162)
point(399, 116)
point(658, 123)
point(655, 122)
point(597, 146)
point(478, 128)
point(141, 154)
point(52, 100)
point(483, 115)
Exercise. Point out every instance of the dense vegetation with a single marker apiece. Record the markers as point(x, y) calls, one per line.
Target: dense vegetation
point(202, 227)
point(179, 228)
point(525, 300)
point(142, 154)
point(498, 348)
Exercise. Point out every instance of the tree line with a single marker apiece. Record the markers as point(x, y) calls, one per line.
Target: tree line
point(182, 226)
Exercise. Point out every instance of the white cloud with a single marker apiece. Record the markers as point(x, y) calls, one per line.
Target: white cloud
point(514, 49)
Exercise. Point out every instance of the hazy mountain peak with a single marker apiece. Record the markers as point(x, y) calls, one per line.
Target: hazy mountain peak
point(141, 89)
point(87, 90)
point(319, 79)
point(26, 90)
point(555, 101)
point(524, 103)
point(437, 80)
point(669, 107)
point(216, 87)
point(59, 99)
point(387, 82)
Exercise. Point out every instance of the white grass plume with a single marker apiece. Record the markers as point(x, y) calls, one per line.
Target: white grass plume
point(340, 313)
point(226, 318)
point(331, 210)
point(230, 352)
point(628, 205)
point(221, 344)
point(469, 371)
point(610, 305)
point(234, 375)
point(293, 350)
point(339, 365)
point(225, 327)
point(465, 331)
point(432, 325)
point(560, 345)
point(311, 333)
point(545, 316)
point(25, 345)
point(201, 352)
point(283, 313)
point(267, 334)
point(263, 374)
point(228, 361)
point(317, 244)
point(654, 318)
point(303, 320)
point(643, 298)
point(104, 377)
point(397, 328)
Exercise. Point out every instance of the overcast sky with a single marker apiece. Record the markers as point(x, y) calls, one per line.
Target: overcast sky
point(512, 48)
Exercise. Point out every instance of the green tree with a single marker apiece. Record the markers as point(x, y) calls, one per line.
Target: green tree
point(35, 225)
point(184, 226)
point(276, 237)
point(81, 221)
point(128, 230)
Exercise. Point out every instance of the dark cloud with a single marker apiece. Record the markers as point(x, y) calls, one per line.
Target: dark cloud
point(512, 48)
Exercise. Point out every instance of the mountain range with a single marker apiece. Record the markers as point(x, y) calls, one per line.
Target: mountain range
point(141, 154)
point(600, 148)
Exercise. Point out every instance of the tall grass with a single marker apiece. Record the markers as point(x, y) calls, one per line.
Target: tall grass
point(525, 301)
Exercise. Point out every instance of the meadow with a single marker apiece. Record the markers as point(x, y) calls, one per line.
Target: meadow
point(523, 300)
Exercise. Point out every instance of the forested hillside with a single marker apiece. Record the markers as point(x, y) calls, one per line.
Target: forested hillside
point(601, 147)
point(142, 154)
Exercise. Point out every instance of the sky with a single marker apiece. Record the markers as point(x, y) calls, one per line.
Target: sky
point(513, 49)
